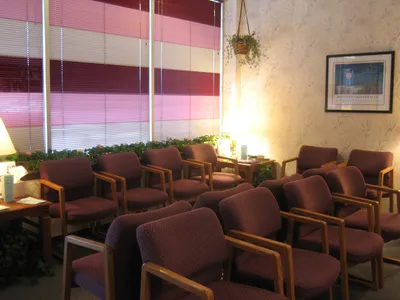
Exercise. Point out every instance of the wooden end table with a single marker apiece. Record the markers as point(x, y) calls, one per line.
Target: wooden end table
point(20, 211)
point(251, 167)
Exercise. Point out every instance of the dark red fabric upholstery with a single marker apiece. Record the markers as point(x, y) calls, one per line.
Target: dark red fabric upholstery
point(85, 209)
point(314, 157)
point(314, 273)
point(168, 158)
point(212, 199)
point(222, 180)
point(319, 171)
point(362, 245)
point(276, 187)
point(371, 163)
point(141, 198)
point(254, 211)
point(257, 212)
point(201, 152)
point(74, 174)
point(187, 188)
point(88, 272)
point(191, 244)
point(224, 290)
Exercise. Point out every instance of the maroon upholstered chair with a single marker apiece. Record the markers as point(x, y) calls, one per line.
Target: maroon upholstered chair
point(205, 154)
point(126, 169)
point(254, 216)
point(169, 160)
point(311, 157)
point(320, 171)
point(212, 199)
point(69, 184)
point(113, 272)
point(311, 197)
point(349, 182)
point(377, 169)
point(190, 251)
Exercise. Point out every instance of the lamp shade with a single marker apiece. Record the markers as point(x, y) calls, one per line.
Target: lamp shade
point(6, 145)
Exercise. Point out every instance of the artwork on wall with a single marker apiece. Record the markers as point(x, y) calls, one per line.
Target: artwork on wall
point(361, 82)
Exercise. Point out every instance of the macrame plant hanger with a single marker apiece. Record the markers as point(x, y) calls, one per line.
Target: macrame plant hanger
point(240, 46)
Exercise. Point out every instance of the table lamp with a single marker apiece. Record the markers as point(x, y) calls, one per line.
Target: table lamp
point(7, 180)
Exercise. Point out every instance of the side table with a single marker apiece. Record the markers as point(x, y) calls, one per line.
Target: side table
point(41, 211)
point(251, 167)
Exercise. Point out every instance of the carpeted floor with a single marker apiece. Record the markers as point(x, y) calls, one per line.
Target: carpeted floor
point(48, 288)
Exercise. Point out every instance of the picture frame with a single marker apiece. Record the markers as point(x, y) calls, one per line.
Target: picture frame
point(360, 82)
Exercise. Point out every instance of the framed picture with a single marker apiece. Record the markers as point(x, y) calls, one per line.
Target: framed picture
point(361, 82)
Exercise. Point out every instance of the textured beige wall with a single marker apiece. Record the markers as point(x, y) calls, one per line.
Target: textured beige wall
point(282, 101)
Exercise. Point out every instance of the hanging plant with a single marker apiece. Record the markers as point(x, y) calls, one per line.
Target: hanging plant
point(247, 45)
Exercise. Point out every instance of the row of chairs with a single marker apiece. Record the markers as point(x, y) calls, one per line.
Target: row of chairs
point(300, 253)
point(70, 184)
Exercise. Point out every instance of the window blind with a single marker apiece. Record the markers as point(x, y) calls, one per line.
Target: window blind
point(21, 104)
point(187, 58)
point(99, 75)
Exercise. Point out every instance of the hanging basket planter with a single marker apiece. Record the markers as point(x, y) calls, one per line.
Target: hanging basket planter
point(244, 44)
point(241, 48)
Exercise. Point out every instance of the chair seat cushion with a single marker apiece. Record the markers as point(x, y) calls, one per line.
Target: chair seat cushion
point(314, 273)
point(139, 198)
point(390, 223)
point(88, 273)
point(362, 245)
point(86, 209)
point(224, 290)
point(187, 188)
point(222, 180)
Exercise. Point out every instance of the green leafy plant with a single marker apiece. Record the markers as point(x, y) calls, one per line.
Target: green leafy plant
point(248, 45)
point(265, 173)
point(20, 255)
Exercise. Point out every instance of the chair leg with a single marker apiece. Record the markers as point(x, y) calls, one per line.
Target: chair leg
point(391, 203)
point(380, 270)
point(330, 294)
point(344, 283)
point(375, 273)
point(67, 266)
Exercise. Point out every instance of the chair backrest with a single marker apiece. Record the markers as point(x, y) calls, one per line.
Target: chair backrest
point(202, 152)
point(125, 164)
point(254, 211)
point(371, 163)
point(348, 181)
point(314, 157)
point(74, 174)
point(312, 194)
point(191, 244)
point(168, 158)
point(212, 199)
point(121, 237)
point(276, 187)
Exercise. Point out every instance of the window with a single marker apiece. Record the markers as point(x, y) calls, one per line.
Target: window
point(99, 79)
point(21, 99)
point(187, 50)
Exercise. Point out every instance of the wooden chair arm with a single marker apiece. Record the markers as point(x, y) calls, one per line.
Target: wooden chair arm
point(385, 189)
point(161, 173)
point(284, 163)
point(382, 174)
point(180, 281)
point(342, 165)
point(331, 163)
point(170, 180)
point(278, 280)
point(61, 196)
point(111, 181)
point(233, 161)
point(210, 170)
point(122, 180)
point(95, 246)
point(197, 165)
point(284, 250)
point(362, 204)
point(307, 220)
point(319, 216)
